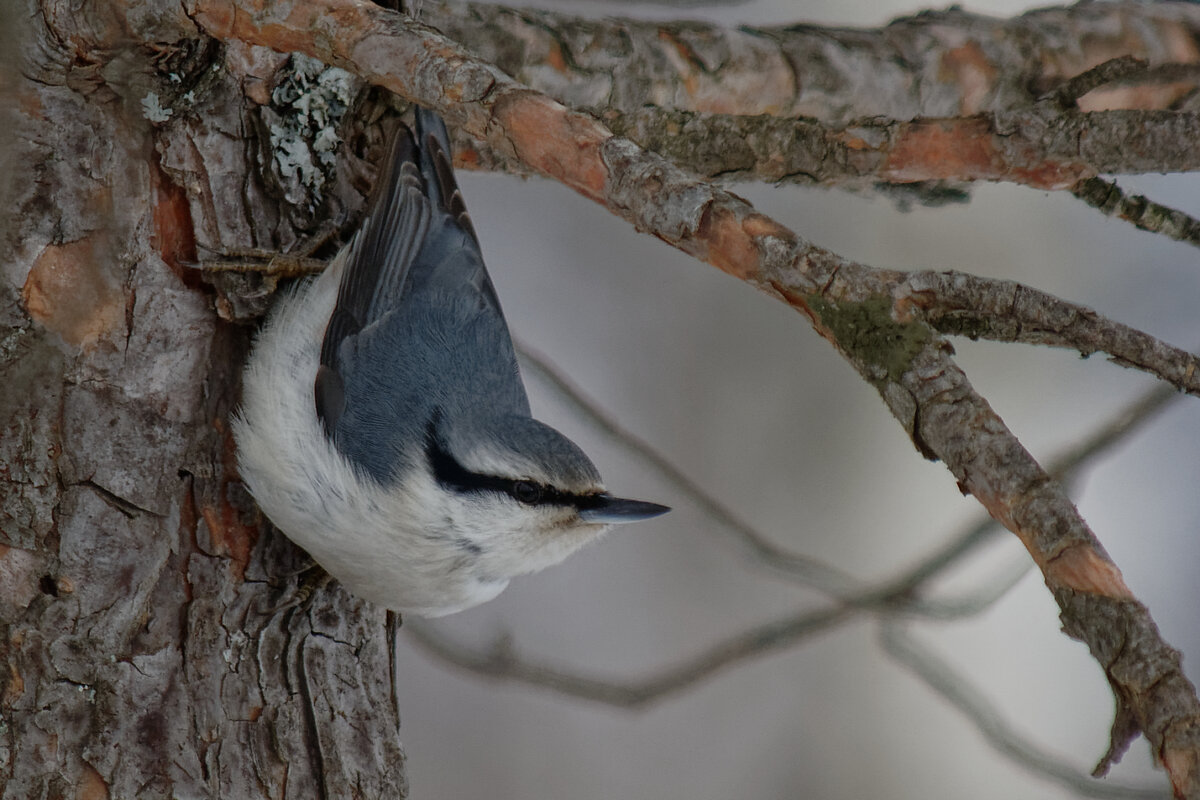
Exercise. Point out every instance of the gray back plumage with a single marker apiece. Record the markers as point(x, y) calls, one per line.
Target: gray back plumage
point(417, 332)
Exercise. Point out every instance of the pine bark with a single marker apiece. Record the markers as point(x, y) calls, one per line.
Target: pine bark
point(141, 655)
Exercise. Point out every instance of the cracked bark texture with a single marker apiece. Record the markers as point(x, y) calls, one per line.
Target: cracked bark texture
point(139, 657)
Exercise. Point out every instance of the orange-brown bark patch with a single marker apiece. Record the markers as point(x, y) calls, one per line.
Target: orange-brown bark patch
point(969, 68)
point(466, 158)
point(14, 687)
point(1181, 766)
point(69, 291)
point(943, 149)
point(555, 141)
point(91, 785)
point(1082, 569)
point(174, 234)
point(728, 242)
point(1078, 567)
point(556, 59)
point(1052, 175)
point(230, 535)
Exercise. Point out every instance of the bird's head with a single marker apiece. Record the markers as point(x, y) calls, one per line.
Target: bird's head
point(519, 491)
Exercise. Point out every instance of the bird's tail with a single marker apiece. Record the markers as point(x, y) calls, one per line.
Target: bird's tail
point(433, 148)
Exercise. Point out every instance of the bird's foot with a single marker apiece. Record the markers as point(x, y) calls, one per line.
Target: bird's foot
point(312, 579)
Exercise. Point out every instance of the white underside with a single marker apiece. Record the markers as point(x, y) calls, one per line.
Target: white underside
point(390, 546)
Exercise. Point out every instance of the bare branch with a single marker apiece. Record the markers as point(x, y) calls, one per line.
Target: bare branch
point(1142, 212)
point(900, 596)
point(502, 664)
point(1115, 69)
point(937, 64)
point(1181, 75)
point(1006, 311)
point(939, 677)
point(1026, 146)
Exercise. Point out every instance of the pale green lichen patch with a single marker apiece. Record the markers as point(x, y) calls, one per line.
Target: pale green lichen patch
point(867, 332)
point(307, 107)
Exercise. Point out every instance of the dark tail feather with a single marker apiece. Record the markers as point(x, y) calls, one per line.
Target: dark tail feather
point(436, 170)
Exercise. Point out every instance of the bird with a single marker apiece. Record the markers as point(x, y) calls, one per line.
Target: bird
point(384, 426)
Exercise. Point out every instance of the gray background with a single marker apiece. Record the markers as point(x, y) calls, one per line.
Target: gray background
point(737, 389)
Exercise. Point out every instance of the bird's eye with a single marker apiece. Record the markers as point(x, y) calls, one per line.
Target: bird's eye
point(526, 492)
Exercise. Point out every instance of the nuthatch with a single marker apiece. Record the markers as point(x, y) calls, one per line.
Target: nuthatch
point(384, 426)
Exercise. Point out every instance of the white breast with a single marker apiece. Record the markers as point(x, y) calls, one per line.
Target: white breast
point(396, 546)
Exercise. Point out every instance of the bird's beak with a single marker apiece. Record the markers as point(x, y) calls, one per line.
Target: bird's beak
point(604, 509)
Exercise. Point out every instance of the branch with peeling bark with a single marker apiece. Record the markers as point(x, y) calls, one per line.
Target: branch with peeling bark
point(1025, 146)
point(984, 308)
point(849, 304)
point(937, 64)
point(1056, 151)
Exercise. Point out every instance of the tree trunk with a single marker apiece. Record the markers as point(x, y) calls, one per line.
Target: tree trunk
point(141, 654)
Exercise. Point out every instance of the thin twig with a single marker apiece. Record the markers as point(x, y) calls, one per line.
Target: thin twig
point(1145, 214)
point(957, 303)
point(278, 265)
point(809, 571)
point(939, 677)
point(899, 596)
point(501, 663)
point(1114, 69)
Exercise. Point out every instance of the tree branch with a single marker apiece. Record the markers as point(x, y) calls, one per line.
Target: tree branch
point(1142, 212)
point(1026, 146)
point(1006, 311)
point(1064, 468)
point(501, 662)
point(936, 64)
point(847, 303)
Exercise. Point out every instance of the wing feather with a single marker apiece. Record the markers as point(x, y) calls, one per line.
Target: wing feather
point(416, 239)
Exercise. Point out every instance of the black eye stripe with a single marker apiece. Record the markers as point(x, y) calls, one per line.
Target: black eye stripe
point(453, 475)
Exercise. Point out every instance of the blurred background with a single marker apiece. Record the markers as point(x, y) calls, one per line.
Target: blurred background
point(739, 392)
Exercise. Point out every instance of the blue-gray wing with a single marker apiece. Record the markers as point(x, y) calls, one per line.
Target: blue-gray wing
point(413, 286)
